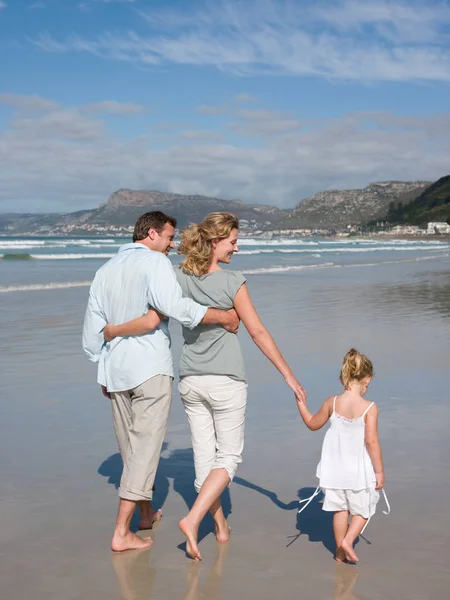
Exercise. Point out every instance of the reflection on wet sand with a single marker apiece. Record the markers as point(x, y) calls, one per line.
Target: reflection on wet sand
point(212, 587)
point(136, 576)
point(346, 576)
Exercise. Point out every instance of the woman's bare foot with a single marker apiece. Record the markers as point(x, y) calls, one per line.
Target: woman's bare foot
point(223, 532)
point(340, 555)
point(348, 551)
point(129, 541)
point(148, 520)
point(191, 538)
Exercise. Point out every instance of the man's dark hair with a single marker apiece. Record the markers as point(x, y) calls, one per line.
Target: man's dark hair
point(151, 220)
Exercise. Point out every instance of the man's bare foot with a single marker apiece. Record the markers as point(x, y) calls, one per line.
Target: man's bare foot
point(191, 538)
point(223, 532)
point(129, 541)
point(147, 521)
point(348, 551)
point(340, 555)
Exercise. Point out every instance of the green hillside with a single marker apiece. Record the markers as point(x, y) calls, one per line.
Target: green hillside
point(432, 205)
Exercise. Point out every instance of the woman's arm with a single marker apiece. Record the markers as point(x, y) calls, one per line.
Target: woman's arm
point(150, 321)
point(373, 445)
point(262, 338)
point(139, 326)
point(318, 420)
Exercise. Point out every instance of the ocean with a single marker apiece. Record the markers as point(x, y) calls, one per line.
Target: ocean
point(318, 297)
point(42, 263)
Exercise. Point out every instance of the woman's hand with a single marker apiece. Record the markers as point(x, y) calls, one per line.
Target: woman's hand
point(297, 388)
point(109, 332)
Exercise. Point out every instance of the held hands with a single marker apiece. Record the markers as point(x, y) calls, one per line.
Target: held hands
point(380, 480)
point(232, 321)
point(105, 392)
point(297, 388)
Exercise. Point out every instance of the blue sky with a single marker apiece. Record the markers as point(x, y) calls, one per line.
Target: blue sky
point(268, 101)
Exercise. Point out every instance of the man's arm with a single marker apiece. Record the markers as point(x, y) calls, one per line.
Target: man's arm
point(227, 318)
point(94, 322)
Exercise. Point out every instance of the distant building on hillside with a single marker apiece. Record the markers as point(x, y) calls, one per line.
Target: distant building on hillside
point(438, 228)
point(406, 230)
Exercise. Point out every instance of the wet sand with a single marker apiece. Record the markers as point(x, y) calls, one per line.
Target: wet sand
point(60, 466)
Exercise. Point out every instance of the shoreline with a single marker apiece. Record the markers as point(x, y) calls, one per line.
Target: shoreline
point(406, 237)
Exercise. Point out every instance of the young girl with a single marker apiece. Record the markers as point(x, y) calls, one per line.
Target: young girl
point(351, 470)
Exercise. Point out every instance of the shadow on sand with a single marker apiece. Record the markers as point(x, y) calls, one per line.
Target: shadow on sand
point(313, 521)
point(177, 467)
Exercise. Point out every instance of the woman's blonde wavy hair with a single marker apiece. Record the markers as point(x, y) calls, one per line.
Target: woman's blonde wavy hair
point(197, 241)
point(355, 366)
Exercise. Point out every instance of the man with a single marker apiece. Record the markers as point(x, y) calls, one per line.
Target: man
point(137, 372)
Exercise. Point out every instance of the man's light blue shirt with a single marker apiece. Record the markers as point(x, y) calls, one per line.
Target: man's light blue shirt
point(124, 288)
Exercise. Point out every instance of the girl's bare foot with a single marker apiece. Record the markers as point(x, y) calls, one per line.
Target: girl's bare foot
point(129, 541)
point(191, 538)
point(348, 551)
point(147, 521)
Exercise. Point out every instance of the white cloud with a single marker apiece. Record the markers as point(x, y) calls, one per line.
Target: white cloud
point(202, 135)
point(353, 40)
point(2, 4)
point(64, 124)
point(263, 115)
point(244, 98)
point(405, 21)
point(28, 104)
point(116, 108)
point(264, 122)
point(212, 110)
point(67, 158)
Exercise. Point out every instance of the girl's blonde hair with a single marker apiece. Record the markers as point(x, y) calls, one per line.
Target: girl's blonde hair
point(197, 241)
point(355, 366)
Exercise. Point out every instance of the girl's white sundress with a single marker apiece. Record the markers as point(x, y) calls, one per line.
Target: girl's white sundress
point(345, 462)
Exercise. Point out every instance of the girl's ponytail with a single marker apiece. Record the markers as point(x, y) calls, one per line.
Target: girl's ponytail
point(355, 366)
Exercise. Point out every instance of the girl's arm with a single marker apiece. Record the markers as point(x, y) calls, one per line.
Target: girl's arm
point(139, 326)
point(318, 420)
point(373, 445)
point(262, 338)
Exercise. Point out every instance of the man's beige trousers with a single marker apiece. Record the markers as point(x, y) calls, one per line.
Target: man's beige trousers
point(140, 420)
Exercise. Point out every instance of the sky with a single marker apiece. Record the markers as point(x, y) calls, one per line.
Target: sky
point(267, 101)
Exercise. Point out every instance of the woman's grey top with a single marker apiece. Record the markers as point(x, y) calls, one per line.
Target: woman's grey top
point(211, 349)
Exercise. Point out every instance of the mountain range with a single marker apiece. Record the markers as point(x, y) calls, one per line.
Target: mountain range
point(432, 205)
point(392, 201)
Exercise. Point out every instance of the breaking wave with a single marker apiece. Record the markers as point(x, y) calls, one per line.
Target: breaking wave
point(258, 271)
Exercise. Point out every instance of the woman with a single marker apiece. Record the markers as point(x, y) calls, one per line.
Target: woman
point(212, 384)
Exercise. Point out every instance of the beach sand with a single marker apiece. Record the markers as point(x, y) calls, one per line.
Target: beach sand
point(60, 466)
